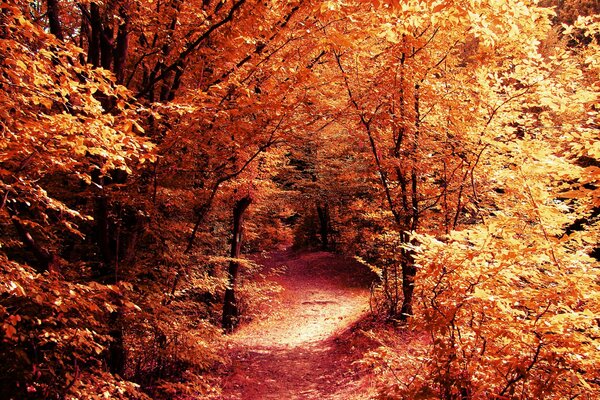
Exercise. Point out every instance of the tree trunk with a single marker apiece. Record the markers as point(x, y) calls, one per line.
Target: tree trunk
point(53, 19)
point(409, 271)
point(121, 47)
point(411, 224)
point(85, 32)
point(94, 41)
point(103, 231)
point(106, 47)
point(324, 223)
point(171, 83)
point(116, 350)
point(230, 310)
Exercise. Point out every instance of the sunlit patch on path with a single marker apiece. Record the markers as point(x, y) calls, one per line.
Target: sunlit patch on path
point(294, 352)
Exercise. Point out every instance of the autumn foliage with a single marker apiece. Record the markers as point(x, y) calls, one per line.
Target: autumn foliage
point(450, 146)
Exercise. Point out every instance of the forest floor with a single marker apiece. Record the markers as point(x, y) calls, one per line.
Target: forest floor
point(306, 345)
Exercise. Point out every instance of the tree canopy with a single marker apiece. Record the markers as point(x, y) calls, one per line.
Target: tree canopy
point(450, 146)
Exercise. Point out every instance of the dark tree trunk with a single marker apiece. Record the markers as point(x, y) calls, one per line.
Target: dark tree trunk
point(324, 223)
point(53, 19)
point(85, 32)
point(165, 87)
point(152, 78)
point(101, 217)
point(132, 239)
point(167, 84)
point(411, 224)
point(230, 310)
point(106, 47)
point(200, 213)
point(409, 271)
point(176, 81)
point(116, 350)
point(170, 86)
point(121, 48)
point(94, 40)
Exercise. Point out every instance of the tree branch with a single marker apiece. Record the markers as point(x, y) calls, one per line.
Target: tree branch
point(191, 47)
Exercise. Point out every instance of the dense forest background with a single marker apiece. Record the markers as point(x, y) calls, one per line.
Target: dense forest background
point(451, 146)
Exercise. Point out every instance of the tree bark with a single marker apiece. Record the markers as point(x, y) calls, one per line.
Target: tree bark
point(176, 82)
point(106, 47)
point(103, 231)
point(53, 19)
point(324, 222)
point(84, 32)
point(230, 310)
point(189, 49)
point(94, 40)
point(121, 48)
point(116, 350)
point(409, 270)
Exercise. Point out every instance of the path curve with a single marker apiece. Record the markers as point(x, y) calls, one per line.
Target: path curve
point(297, 351)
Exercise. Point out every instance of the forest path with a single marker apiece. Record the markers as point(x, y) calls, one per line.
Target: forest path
point(302, 349)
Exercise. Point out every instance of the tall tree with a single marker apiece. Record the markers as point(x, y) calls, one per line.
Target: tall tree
point(230, 308)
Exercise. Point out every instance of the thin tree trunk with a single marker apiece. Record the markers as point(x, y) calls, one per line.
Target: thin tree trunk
point(101, 218)
point(121, 47)
point(324, 225)
point(409, 270)
point(230, 310)
point(176, 82)
point(84, 33)
point(116, 350)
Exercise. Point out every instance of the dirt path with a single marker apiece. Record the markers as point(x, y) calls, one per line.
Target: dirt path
point(301, 350)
